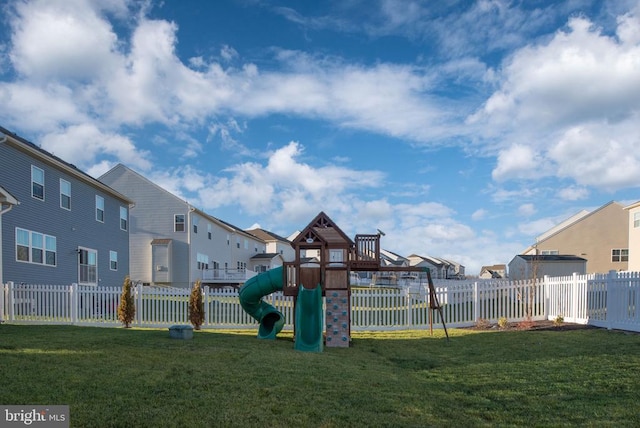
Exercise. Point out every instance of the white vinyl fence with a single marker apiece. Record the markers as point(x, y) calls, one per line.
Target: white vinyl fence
point(611, 300)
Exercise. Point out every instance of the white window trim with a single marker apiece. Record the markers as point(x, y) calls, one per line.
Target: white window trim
point(620, 255)
point(89, 250)
point(100, 198)
point(30, 248)
point(125, 218)
point(112, 259)
point(175, 223)
point(62, 180)
point(42, 184)
point(636, 219)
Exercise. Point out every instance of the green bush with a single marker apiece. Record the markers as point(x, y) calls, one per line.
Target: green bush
point(502, 322)
point(196, 306)
point(558, 320)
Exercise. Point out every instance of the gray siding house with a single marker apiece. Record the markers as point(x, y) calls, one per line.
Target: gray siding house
point(529, 266)
point(67, 227)
point(174, 244)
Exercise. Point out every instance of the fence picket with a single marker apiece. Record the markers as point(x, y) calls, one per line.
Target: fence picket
point(606, 300)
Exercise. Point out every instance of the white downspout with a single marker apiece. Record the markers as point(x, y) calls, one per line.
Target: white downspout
point(190, 259)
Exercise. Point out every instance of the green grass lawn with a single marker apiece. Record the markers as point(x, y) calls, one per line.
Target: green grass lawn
point(142, 378)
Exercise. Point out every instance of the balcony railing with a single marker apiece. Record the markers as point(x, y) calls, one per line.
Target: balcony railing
point(227, 275)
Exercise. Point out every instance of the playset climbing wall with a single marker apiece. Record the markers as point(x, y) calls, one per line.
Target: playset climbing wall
point(337, 319)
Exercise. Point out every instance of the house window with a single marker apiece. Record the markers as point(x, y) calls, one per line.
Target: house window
point(237, 242)
point(209, 231)
point(34, 247)
point(549, 252)
point(178, 223)
point(636, 219)
point(123, 218)
point(100, 209)
point(203, 261)
point(113, 260)
point(228, 239)
point(37, 247)
point(37, 183)
point(241, 265)
point(22, 245)
point(88, 266)
point(195, 224)
point(620, 255)
point(50, 252)
point(65, 194)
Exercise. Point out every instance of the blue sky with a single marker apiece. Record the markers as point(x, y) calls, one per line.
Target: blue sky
point(461, 129)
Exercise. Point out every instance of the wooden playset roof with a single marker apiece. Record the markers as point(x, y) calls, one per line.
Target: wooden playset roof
point(322, 230)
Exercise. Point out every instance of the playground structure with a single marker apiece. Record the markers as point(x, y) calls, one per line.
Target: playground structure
point(324, 259)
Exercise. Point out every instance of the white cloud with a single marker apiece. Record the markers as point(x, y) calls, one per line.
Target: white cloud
point(573, 193)
point(479, 214)
point(519, 161)
point(527, 210)
point(81, 145)
point(61, 40)
point(574, 99)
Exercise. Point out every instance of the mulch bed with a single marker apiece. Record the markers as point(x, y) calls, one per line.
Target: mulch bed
point(546, 325)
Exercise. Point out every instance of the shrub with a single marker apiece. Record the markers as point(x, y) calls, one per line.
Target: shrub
point(502, 322)
point(126, 307)
point(196, 306)
point(483, 324)
point(558, 320)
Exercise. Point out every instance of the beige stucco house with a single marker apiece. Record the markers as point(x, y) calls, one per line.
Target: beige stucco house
point(600, 236)
point(634, 236)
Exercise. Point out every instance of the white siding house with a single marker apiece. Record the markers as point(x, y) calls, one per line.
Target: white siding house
point(276, 244)
point(634, 237)
point(174, 243)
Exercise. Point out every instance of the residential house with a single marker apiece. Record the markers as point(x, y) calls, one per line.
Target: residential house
point(266, 261)
point(389, 258)
point(174, 243)
point(68, 227)
point(529, 266)
point(439, 269)
point(634, 236)
point(276, 244)
point(600, 236)
point(493, 271)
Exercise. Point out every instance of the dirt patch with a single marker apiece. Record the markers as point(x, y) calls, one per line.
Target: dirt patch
point(546, 325)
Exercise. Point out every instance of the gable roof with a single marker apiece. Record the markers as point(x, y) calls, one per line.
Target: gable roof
point(7, 198)
point(265, 256)
point(560, 227)
point(225, 225)
point(266, 236)
point(39, 153)
point(632, 206)
point(323, 229)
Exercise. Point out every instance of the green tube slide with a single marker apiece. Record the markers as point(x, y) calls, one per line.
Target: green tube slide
point(251, 293)
point(309, 320)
